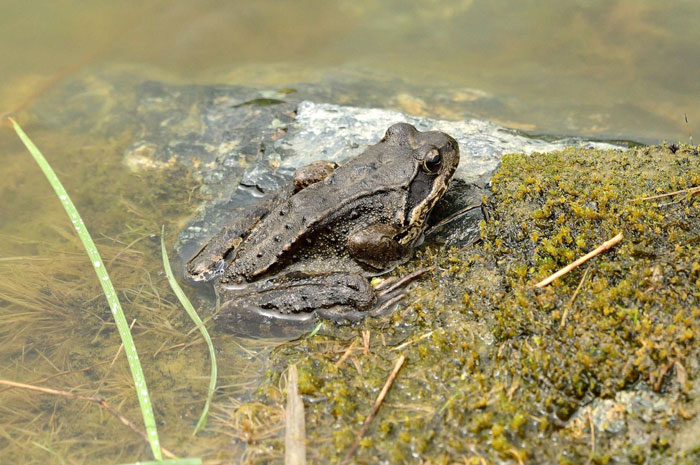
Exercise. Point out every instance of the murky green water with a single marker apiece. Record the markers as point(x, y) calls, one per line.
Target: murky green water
point(608, 69)
point(626, 68)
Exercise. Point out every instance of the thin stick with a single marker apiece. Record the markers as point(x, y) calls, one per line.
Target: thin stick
point(375, 408)
point(690, 190)
point(515, 454)
point(592, 427)
point(602, 248)
point(365, 341)
point(63, 373)
point(97, 400)
point(346, 354)
point(573, 297)
point(408, 343)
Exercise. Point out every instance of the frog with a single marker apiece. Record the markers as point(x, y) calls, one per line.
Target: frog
point(310, 249)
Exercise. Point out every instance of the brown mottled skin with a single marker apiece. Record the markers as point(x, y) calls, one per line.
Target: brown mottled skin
point(321, 236)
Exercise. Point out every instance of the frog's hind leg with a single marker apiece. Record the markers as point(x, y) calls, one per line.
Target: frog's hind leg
point(388, 293)
point(342, 315)
point(340, 297)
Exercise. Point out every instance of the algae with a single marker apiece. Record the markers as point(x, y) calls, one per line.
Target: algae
point(500, 372)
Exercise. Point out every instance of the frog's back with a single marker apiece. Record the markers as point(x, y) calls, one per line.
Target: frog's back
point(315, 222)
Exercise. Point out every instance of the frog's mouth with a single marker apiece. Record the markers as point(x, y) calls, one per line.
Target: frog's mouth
point(424, 193)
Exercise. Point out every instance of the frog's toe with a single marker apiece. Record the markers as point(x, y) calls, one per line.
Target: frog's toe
point(204, 270)
point(387, 304)
point(390, 286)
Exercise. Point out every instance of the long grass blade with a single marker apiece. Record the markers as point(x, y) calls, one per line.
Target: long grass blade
point(197, 321)
point(107, 287)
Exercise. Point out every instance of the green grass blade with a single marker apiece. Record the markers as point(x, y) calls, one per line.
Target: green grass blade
point(197, 321)
point(107, 287)
point(315, 330)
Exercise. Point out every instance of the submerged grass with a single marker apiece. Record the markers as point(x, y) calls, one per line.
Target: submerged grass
point(205, 334)
point(107, 287)
point(56, 330)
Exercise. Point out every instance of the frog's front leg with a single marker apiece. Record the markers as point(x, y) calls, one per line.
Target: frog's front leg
point(211, 259)
point(377, 246)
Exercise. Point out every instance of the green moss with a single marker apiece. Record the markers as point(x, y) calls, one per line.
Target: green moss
point(502, 370)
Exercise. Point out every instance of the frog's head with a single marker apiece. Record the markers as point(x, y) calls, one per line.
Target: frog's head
point(434, 157)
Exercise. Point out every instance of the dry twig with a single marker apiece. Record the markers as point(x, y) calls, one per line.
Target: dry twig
point(691, 190)
point(375, 408)
point(515, 454)
point(592, 426)
point(573, 297)
point(63, 373)
point(365, 341)
point(412, 341)
point(346, 354)
point(600, 249)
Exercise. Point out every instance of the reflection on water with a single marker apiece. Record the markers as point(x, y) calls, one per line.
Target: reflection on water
point(624, 69)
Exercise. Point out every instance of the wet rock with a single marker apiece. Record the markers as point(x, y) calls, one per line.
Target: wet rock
point(241, 142)
point(242, 146)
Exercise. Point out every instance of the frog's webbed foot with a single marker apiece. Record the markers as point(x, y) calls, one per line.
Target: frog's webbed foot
point(392, 290)
point(313, 173)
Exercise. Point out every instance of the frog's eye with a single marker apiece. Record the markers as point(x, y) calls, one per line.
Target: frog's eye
point(432, 161)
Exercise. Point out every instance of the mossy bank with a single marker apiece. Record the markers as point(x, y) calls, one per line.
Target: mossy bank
point(602, 364)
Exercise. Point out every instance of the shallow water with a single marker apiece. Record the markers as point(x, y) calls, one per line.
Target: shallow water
point(624, 69)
